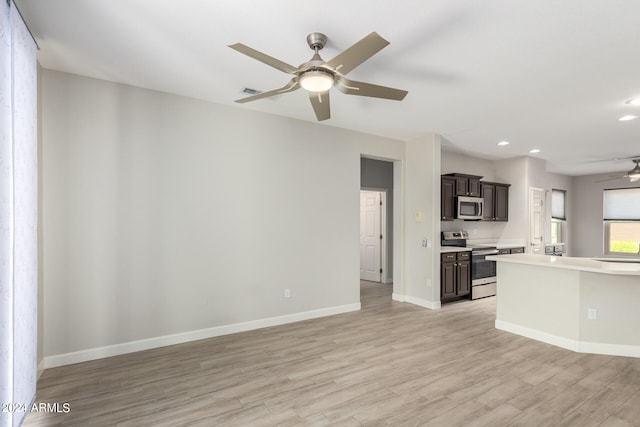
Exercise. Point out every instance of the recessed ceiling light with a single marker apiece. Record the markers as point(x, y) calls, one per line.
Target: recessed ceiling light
point(627, 118)
point(503, 143)
point(634, 101)
point(534, 150)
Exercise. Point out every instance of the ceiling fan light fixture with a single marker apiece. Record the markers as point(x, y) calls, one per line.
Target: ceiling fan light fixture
point(316, 81)
point(634, 174)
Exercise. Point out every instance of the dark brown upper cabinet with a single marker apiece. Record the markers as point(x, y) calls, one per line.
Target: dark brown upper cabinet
point(496, 201)
point(447, 199)
point(466, 185)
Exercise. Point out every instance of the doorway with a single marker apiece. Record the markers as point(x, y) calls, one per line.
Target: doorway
point(377, 185)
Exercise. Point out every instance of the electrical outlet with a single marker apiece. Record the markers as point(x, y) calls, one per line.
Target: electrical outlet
point(287, 293)
point(592, 314)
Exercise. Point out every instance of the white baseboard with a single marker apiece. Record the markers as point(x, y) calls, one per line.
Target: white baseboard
point(558, 341)
point(40, 367)
point(569, 344)
point(162, 341)
point(397, 297)
point(432, 305)
point(610, 349)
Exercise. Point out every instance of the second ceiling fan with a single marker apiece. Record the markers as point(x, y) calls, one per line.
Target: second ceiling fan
point(633, 175)
point(318, 76)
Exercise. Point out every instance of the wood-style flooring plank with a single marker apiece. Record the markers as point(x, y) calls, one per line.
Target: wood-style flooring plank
point(389, 364)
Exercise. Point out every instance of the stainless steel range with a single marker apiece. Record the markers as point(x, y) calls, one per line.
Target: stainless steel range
point(483, 271)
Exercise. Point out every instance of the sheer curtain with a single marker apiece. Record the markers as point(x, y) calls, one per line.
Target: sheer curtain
point(18, 215)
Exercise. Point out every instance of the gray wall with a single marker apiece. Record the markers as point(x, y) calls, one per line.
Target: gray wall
point(164, 215)
point(539, 177)
point(454, 162)
point(586, 225)
point(378, 175)
point(522, 173)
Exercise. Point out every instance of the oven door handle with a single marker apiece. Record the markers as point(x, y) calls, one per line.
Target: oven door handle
point(487, 252)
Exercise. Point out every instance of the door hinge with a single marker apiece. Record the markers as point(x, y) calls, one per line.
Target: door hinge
point(380, 271)
point(381, 237)
point(380, 202)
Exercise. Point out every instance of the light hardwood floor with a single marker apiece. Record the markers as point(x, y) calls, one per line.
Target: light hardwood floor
point(389, 364)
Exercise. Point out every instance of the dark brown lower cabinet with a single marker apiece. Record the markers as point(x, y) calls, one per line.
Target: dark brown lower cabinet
point(507, 251)
point(455, 275)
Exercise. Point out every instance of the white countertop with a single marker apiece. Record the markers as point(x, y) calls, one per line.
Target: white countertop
point(496, 245)
point(500, 244)
point(449, 249)
point(571, 263)
point(508, 245)
point(482, 243)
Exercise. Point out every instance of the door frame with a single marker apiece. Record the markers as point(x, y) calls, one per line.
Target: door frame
point(397, 224)
point(530, 217)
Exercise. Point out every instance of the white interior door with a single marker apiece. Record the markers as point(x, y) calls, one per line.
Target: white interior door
point(537, 220)
point(370, 236)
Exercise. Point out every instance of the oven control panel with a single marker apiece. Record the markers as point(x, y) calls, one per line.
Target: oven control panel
point(453, 235)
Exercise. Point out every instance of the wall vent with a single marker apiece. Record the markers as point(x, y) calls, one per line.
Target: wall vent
point(250, 91)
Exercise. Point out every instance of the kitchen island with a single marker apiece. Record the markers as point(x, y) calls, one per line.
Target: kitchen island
point(582, 304)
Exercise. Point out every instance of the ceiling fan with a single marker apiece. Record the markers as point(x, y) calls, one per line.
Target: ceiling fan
point(318, 76)
point(633, 174)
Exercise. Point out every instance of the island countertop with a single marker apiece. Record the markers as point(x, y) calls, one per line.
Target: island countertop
point(581, 304)
point(572, 263)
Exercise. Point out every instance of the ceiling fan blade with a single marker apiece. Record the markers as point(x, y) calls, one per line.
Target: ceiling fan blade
point(289, 87)
point(613, 178)
point(612, 159)
point(352, 87)
point(264, 58)
point(355, 55)
point(320, 103)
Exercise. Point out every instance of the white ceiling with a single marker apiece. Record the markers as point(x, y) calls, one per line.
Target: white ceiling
point(547, 74)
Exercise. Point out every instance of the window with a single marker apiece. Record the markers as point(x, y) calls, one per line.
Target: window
point(622, 222)
point(558, 204)
point(558, 216)
point(557, 230)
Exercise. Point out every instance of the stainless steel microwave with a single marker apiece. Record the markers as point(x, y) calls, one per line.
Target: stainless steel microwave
point(469, 207)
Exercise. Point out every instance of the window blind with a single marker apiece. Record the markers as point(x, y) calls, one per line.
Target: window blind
point(18, 216)
point(622, 204)
point(558, 204)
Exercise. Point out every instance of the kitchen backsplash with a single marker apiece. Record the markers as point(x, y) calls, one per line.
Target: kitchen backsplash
point(478, 230)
